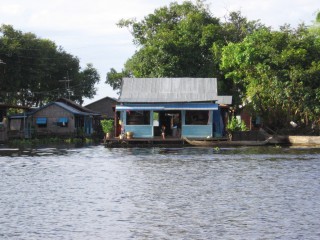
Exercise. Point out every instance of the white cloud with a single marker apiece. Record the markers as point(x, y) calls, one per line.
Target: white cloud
point(95, 17)
point(10, 9)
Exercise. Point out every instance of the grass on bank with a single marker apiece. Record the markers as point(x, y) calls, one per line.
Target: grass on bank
point(52, 140)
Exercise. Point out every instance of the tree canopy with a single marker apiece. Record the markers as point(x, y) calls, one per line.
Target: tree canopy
point(315, 28)
point(180, 40)
point(277, 73)
point(37, 71)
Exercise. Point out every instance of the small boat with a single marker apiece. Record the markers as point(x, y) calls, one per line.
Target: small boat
point(311, 141)
point(214, 143)
point(304, 140)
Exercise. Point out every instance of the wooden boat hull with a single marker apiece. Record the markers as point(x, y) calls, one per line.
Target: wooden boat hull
point(311, 141)
point(304, 140)
point(215, 143)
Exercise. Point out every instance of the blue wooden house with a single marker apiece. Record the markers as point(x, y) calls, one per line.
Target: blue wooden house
point(186, 107)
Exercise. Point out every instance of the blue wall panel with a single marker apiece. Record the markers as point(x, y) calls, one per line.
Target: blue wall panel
point(217, 124)
point(197, 131)
point(140, 131)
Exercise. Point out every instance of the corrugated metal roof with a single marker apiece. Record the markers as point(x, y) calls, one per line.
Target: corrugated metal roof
point(71, 109)
point(161, 90)
point(227, 100)
point(66, 107)
point(74, 105)
point(61, 104)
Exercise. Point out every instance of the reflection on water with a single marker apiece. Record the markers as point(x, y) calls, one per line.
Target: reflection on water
point(153, 193)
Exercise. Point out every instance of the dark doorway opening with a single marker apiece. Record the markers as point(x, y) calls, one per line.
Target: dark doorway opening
point(170, 119)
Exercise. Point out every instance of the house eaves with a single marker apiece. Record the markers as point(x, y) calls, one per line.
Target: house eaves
point(67, 108)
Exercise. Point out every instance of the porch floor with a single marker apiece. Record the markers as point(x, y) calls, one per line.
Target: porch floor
point(169, 141)
point(143, 141)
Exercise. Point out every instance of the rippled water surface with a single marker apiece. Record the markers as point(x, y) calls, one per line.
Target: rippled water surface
point(187, 193)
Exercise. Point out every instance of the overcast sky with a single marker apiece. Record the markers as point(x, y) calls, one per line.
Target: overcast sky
point(87, 29)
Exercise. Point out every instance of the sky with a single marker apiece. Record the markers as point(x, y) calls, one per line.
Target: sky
point(87, 29)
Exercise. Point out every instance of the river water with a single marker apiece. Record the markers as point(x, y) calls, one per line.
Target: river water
point(156, 193)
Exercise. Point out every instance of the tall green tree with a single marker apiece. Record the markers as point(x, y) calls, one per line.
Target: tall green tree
point(181, 40)
point(277, 73)
point(233, 30)
point(170, 42)
point(315, 28)
point(35, 67)
point(87, 78)
point(114, 78)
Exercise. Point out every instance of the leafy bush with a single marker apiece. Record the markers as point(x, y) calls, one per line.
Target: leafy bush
point(236, 125)
point(107, 125)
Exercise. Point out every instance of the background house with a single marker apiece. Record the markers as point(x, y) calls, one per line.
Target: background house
point(105, 107)
point(4, 121)
point(186, 107)
point(60, 118)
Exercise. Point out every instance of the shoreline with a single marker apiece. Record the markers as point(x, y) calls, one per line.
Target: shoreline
point(294, 141)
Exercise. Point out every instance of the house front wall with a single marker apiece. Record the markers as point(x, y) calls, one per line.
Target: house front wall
point(212, 128)
point(197, 131)
point(139, 131)
point(52, 114)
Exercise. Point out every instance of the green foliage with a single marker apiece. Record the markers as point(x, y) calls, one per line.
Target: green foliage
point(78, 140)
point(107, 125)
point(171, 43)
point(276, 73)
point(235, 124)
point(114, 78)
point(34, 68)
point(86, 80)
point(35, 141)
point(47, 141)
point(181, 40)
point(315, 28)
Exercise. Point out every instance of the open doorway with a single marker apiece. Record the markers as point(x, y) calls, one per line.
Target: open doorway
point(170, 119)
